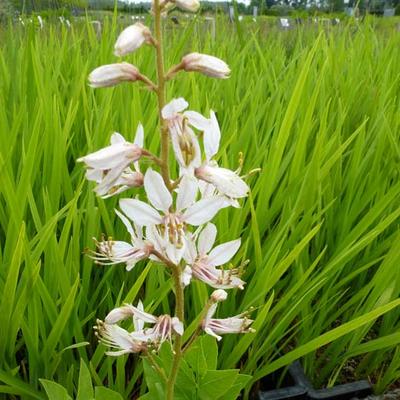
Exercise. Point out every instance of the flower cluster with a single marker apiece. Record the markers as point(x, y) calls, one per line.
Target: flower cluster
point(172, 223)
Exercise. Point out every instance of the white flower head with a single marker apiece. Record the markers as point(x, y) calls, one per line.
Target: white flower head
point(203, 260)
point(206, 64)
point(173, 224)
point(131, 38)
point(110, 252)
point(109, 167)
point(118, 338)
point(163, 326)
point(216, 327)
point(184, 141)
point(226, 181)
point(113, 74)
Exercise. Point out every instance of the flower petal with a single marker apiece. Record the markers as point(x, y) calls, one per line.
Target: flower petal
point(139, 137)
point(207, 239)
point(204, 210)
point(212, 137)
point(187, 192)
point(224, 252)
point(173, 107)
point(117, 138)
point(157, 193)
point(140, 212)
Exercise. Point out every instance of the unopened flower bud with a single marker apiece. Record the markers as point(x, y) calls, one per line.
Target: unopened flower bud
point(218, 295)
point(131, 39)
point(188, 5)
point(113, 74)
point(207, 65)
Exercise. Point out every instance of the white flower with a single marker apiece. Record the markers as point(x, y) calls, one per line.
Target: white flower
point(188, 5)
point(108, 167)
point(202, 261)
point(118, 338)
point(113, 74)
point(188, 211)
point(163, 326)
point(131, 39)
point(184, 141)
point(111, 252)
point(206, 64)
point(216, 327)
point(224, 180)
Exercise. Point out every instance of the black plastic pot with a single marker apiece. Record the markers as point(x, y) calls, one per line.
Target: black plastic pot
point(298, 387)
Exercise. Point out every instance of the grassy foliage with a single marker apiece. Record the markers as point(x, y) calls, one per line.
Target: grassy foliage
point(316, 110)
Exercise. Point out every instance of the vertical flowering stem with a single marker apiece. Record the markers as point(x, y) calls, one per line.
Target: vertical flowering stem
point(161, 93)
point(179, 311)
point(178, 339)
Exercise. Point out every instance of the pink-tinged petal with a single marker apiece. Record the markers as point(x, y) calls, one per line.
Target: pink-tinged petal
point(207, 239)
point(190, 253)
point(106, 158)
point(197, 120)
point(117, 138)
point(138, 323)
point(144, 316)
point(126, 222)
point(173, 107)
point(131, 38)
point(139, 138)
point(117, 353)
point(119, 314)
point(210, 313)
point(212, 137)
point(225, 181)
point(187, 192)
point(157, 193)
point(95, 175)
point(177, 326)
point(204, 210)
point(113, 74)
point(186, 276)
point(219, 295)
point(140, 212)
point(224, 252)
point(211, 333)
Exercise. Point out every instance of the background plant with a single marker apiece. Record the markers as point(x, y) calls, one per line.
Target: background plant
point(321, 227)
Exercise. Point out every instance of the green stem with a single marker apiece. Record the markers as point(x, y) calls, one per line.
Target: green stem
point(161, 94)
point(179, 311)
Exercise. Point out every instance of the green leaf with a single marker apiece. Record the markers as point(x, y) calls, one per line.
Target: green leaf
point(215, 384)
point(202, 355)
point(102, 393)
point(234, 391)
point(85, 388)
point(54, 390)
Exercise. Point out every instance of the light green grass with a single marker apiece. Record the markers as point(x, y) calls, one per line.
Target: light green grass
point(318, 111)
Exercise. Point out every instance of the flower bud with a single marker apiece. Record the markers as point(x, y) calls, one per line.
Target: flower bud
point(188, 5)
point(131, 39)
point(113, 74)
point(218, 295)
point(207, 65)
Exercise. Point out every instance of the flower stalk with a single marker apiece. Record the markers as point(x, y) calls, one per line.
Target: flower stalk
point(173, 226)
